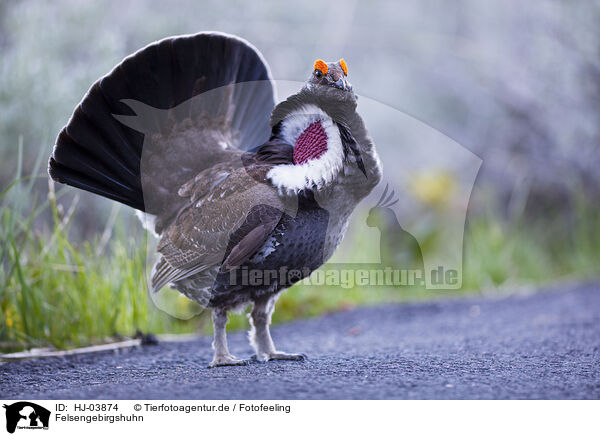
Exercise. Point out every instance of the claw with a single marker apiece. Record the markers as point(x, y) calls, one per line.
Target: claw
point(288, 356)
point(227, 360)
point(279, 356)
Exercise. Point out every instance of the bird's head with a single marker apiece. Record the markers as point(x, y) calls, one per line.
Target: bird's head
point(332, 74)
point(316, 122)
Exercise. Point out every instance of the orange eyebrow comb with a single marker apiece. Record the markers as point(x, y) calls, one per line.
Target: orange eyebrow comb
point(344, 66)
point(321, 66)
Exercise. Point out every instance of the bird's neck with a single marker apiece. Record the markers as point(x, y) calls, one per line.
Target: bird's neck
point(318, 154)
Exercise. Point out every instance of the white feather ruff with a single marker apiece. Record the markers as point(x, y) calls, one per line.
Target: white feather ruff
point(314, 173)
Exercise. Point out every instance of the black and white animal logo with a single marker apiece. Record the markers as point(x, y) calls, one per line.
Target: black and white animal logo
point(26, 415)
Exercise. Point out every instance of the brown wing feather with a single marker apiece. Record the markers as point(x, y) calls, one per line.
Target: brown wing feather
point(251, 235)
point(228, 213)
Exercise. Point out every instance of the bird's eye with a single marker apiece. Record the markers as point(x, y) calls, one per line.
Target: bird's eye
point(318, 73)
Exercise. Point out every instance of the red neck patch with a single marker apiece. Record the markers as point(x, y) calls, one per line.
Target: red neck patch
point(311, 143)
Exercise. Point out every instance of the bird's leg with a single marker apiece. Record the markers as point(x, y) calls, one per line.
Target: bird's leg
point(260, 336)
point(222, 356)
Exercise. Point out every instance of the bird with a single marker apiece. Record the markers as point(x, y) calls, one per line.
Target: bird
point(234, 185)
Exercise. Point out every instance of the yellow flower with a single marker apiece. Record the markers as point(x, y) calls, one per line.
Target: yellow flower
point(434, 188)
point(9, 320)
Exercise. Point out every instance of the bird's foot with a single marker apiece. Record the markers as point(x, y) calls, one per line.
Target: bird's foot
point(227, 360)
point(278, 355)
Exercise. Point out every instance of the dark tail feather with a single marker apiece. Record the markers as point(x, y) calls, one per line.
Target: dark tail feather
point(97, 153)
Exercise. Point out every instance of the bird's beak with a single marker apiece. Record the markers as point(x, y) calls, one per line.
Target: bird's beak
point(340, 84)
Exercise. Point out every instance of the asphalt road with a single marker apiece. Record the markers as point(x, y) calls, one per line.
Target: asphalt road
point(543, 345)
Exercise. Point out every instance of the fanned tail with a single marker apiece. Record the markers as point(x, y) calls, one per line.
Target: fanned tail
point(101, 148)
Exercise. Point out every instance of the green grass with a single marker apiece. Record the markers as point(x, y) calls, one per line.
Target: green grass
point(54, 292)
point(524, 251)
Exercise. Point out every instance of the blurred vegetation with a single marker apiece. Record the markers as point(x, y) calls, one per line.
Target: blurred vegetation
point(57, 292)
point(517, 83)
